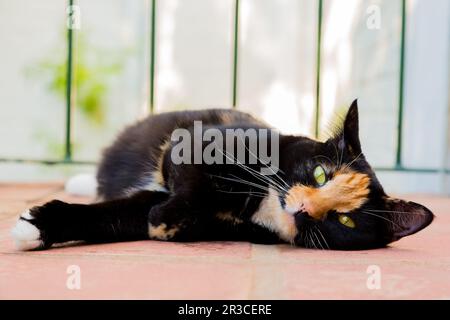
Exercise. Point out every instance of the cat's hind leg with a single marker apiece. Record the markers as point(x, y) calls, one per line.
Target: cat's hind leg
point(109, 221)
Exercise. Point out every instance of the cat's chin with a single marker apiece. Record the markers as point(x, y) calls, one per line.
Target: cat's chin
point(302, 218)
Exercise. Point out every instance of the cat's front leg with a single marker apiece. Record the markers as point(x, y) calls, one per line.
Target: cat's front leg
point(110, 221)
point(181, 218)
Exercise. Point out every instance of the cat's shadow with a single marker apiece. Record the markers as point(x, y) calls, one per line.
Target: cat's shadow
point(286, 248)
point(282, 248)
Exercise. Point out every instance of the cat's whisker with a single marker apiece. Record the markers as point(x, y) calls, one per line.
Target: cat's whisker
point(313, 244)
point(353, 161)
point(337, 153)
point(381, 217)
point(242, 181)
point(260, 194)
point(310, 243)
point(253, 172)
point(342, 151)
point(268, 180)
point(276, 175)
point(265, 187)
point(243, 192)
point(258, 175)
point(274, 185)
point(325, 157)
point(318, 240)
point(302, 237)
point(400, 212)
point(320, 232)
point(306, 239)
point(252, 185)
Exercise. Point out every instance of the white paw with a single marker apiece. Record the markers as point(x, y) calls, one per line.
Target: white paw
point(26, 236)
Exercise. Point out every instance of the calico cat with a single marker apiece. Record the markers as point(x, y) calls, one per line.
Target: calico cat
point(322, 195)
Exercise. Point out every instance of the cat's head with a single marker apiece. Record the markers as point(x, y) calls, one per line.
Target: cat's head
point(336, 199)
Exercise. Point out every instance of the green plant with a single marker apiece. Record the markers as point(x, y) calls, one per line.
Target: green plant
point(93, 71)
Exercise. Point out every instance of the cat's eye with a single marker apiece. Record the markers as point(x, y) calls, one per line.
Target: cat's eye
point(320, 176)
point(346, 221)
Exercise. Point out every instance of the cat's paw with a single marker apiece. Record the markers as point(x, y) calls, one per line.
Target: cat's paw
point(25, 233)
point(32, 230)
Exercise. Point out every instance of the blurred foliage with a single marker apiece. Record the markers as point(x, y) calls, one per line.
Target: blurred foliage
point(93, 68)
point(53, 143)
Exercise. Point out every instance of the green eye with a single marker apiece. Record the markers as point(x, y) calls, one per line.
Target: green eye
point(346, 221)
point(320, 176)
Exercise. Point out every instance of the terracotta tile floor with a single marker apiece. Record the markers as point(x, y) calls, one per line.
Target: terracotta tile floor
point(417, 267)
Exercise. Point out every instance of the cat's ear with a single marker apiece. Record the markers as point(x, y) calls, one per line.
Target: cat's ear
point(351, 128)
point(404, 218)
point(348, 134)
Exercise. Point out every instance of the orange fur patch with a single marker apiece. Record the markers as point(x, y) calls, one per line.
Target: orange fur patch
point(228, 217)
point(161, 232)
point(157, 175)
point(345, 192)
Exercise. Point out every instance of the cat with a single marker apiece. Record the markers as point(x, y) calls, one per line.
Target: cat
point(323, 195)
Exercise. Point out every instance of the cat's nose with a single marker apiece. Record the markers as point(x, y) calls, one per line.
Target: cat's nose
point(313, 211)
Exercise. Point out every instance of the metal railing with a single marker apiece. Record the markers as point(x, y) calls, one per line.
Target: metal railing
point(399, 166)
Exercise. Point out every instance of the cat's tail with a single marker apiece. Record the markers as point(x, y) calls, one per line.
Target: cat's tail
point(84, 185)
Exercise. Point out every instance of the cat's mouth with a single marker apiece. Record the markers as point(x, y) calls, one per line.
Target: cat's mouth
point(310, 233)
point(302, 215)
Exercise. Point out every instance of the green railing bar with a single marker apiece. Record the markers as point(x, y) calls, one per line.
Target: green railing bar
point(318, 63)
point(401, 93)
point(69, 88)
point(47, 162)
point(152, 56)
point(235, 53)
point(412, 169)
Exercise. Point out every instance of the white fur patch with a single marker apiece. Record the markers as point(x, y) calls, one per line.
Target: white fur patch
point(271, 215)
point(26, 215)
point(26, 236)
point(84, 185)
point(27, 245)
